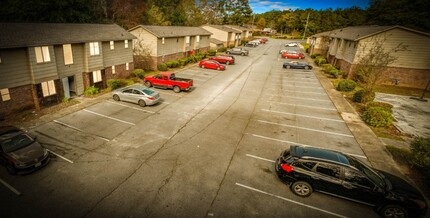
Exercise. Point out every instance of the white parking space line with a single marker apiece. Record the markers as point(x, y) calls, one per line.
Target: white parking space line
point(301, 105)
point(77, 129)
point(304, 128)
point(289, 200)
point(292, 81)
point(10, 187)
point(59, 156)
point(296, 143)
point(112, 118)
point(169, 93)
point(311, 99)
point(197, 79)
point(260, 158)
point(300, 115)
point(304, 87)
point(139, 109)
point(314, 93)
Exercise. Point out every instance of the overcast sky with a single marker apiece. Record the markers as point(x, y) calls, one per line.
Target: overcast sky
point(261, 6)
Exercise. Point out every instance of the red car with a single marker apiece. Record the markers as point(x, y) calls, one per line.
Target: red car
point(211, 64)
point(223, 59)
point(293, 55)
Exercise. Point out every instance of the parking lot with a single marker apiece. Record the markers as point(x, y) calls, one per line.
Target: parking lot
point(208, 152)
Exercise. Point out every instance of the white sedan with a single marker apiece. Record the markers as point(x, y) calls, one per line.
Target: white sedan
point(292, 44)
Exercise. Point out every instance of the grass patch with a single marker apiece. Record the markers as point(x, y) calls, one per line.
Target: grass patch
point(388, 132)
point(397, 90)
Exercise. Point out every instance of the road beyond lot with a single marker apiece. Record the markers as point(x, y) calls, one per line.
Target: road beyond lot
point(204, 153)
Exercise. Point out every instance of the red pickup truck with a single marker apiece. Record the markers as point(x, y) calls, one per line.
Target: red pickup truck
point(168, 80)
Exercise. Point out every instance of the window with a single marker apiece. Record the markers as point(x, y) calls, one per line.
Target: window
point(306, 165)
point(42, 54)
point(113, 69)
point(125, 43)
point(328, 170)
point(97, 76)
point(94, 48)
point(68, 55)
point(162, 40)
point(48, 88)
point(187, 39)
point(197, 38)
point(112, 45)
point(5, 96)
point(357, 178)
point(126, 66)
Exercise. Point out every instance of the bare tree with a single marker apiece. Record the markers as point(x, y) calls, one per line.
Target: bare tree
point(142, 55)
point(374, 60)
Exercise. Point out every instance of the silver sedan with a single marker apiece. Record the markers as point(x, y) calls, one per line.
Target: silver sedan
point(138, 94)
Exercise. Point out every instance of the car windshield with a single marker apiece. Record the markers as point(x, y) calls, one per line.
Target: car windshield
point(148, 91)
point(370, 173)
point(16, 142)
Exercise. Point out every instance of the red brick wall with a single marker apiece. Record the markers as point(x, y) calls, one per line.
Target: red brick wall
point(20, 98)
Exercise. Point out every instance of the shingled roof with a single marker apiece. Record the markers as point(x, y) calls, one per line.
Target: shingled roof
point(173, 31)
point(14, 35)
point(224, 28)
point(359, 32)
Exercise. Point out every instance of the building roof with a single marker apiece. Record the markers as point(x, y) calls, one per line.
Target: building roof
point(356, 33)
point(216, 41)
point(236, 27)
point(173, 31)
point(15, 35)
point(224, 28)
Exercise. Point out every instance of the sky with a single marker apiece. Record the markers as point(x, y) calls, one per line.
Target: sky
point(261, 6)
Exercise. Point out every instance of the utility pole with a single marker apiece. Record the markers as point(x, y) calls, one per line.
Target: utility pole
point(306, 27)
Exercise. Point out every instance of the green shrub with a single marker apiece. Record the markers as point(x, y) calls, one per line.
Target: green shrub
point(420, 148)
point(222, 49)
point(191, 59)
point(313, 56)
point(244, 42)
point(170, 64)
point(91, 91)
point(334, 73)
point(183, 61)
point(306, 46)
point(202, 55)
point(377, 117)
point(363, 96)
point(162, 67)
point(212, 52)
point(383, 105)
point(327, 67)
point(231, 46)
point(320, 60)
point(346, 85)
point(139, 73)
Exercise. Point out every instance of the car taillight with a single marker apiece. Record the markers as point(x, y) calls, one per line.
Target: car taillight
point(287, 168)
point(151, 98)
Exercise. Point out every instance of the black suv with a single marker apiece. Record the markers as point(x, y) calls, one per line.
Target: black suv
point(308, 169)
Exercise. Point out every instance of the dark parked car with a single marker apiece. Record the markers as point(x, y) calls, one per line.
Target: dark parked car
point(297, 65)
point(308, 169)
point(19, 152)
point(238, 51)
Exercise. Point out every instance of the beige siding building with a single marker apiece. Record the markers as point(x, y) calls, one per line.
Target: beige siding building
point(57, 60)
point(345, 47)
point(229, 36)
point(164, 43)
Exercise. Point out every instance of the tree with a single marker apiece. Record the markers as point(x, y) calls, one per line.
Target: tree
point(155, 16)
point(238, 12)
point(261, 23)
point(375, 58)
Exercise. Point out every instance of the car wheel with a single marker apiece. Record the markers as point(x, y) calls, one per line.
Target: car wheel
point(306, 68)
point(116, 97)
point(10, 169)
point(176, 89)
point(243, 54)
point(142, 103)
point(218, 68)
point(228, 62)
point(302, 189)
point(288, 67)
point(228, 52)
point(203, 66)
point(148, 84)
point(300, 57)
point(393, 211)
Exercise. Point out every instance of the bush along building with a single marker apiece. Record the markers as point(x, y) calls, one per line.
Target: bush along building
point(43, 63)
